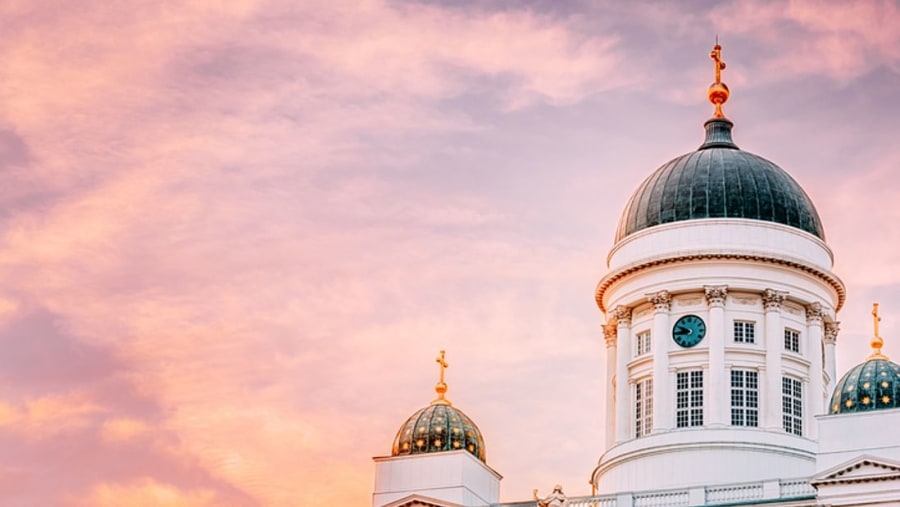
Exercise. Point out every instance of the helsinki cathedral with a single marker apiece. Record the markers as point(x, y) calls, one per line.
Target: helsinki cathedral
point(720, 384)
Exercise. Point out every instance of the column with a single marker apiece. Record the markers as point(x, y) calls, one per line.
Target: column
point(772, 300)
point(662, 303)
point(719, 399)
point(814, 338)
point(609, 335)
point(831, 332)
point(623, 350)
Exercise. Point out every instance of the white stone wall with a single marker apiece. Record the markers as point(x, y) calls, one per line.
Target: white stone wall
point(453, 476)
point(772, 294)
point(732, 235)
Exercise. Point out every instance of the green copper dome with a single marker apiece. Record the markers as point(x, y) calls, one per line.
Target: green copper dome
point(872, 385)
point(436, 428)
point(719, 180)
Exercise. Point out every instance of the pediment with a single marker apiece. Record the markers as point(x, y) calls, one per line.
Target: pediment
point(420, 501)
point(860, 469)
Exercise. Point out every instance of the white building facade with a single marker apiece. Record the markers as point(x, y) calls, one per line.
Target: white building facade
point(720, 383)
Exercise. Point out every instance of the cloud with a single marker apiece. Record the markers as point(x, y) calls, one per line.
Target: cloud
point(148, 493)
point(233, 236)
point(839, 40)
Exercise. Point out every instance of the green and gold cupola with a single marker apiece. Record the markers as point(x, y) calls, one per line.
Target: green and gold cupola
point(871, 385)
point(439, 427)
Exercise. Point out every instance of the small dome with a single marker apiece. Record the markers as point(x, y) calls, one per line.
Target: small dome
point(719, 180)
point(436, 428)
point(872, 385)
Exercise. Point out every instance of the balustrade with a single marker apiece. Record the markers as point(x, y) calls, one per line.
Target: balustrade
point(714, 495)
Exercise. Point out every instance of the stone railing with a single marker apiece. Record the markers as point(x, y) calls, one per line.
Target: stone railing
point(661, 499)
point(796, 488)
point(728, 494)
point(735, 493)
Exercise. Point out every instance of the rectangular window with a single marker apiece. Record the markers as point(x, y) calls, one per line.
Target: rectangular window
point(744, 398)
point(643, 407)
point(643, 343)
point(744, 331)
point(792, 405)
point(689, 398)
point(792, 340)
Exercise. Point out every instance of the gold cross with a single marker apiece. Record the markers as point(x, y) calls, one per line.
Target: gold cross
point(877, 341)
point(876, 318)
point(718, 92)
point(443, 364)
point(716, 55)
point(441, 387)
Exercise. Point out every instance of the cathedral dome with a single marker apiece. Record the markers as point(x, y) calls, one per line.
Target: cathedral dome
point(872, 385)
point(719, 180)
point(436, 428)
point(439, 427)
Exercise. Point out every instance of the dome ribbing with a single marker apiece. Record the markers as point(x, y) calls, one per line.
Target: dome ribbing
point(436, 428)
point(872, 385)
point(719, 180)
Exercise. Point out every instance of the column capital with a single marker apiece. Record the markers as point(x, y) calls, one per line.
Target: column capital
point(831, 332)
point(661, 300)
point(623, 315)
point(610, 334)
point(773, 299)
point(814, 314)
point(715, 294)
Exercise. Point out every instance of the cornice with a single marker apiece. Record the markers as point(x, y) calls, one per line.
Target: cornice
point(611, 278)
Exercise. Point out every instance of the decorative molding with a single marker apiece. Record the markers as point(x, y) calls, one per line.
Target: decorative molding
point(610, 333)
point(688, 301)
point(834, 282)
point(745, 300)
point(864, 468)
point(623, 315)
point(792, 308)
point(831, 331)
point(773, 299)
point(715, 294)
point(815, 314)
point(661, 300)
point(638, 314)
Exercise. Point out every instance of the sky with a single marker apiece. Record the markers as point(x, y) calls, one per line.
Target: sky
point(234, 235)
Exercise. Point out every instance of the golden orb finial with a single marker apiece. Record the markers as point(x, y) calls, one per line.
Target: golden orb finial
point(718, 92)
point(877, 341)
point(441, 387)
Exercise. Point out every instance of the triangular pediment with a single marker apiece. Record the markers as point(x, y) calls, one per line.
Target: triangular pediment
point(421, 501)
point(860, 469)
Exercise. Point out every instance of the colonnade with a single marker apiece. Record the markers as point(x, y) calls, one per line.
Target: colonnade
point(817, 348)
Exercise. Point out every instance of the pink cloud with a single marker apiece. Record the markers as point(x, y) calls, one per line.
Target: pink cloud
point(841, 40)
point(224, 278)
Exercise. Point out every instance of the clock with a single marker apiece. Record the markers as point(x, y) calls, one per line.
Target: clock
point(688, 331)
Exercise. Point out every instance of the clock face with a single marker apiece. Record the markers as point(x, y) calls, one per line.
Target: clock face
point(689, 330)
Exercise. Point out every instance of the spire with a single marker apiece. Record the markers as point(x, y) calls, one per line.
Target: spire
point(441, 387)
point(718, 92)
point(877, 341)
point(718, 128)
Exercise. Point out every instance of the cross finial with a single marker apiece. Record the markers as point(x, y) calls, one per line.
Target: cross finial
point(877, 341)
point(718, 92)
point(441, 386)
